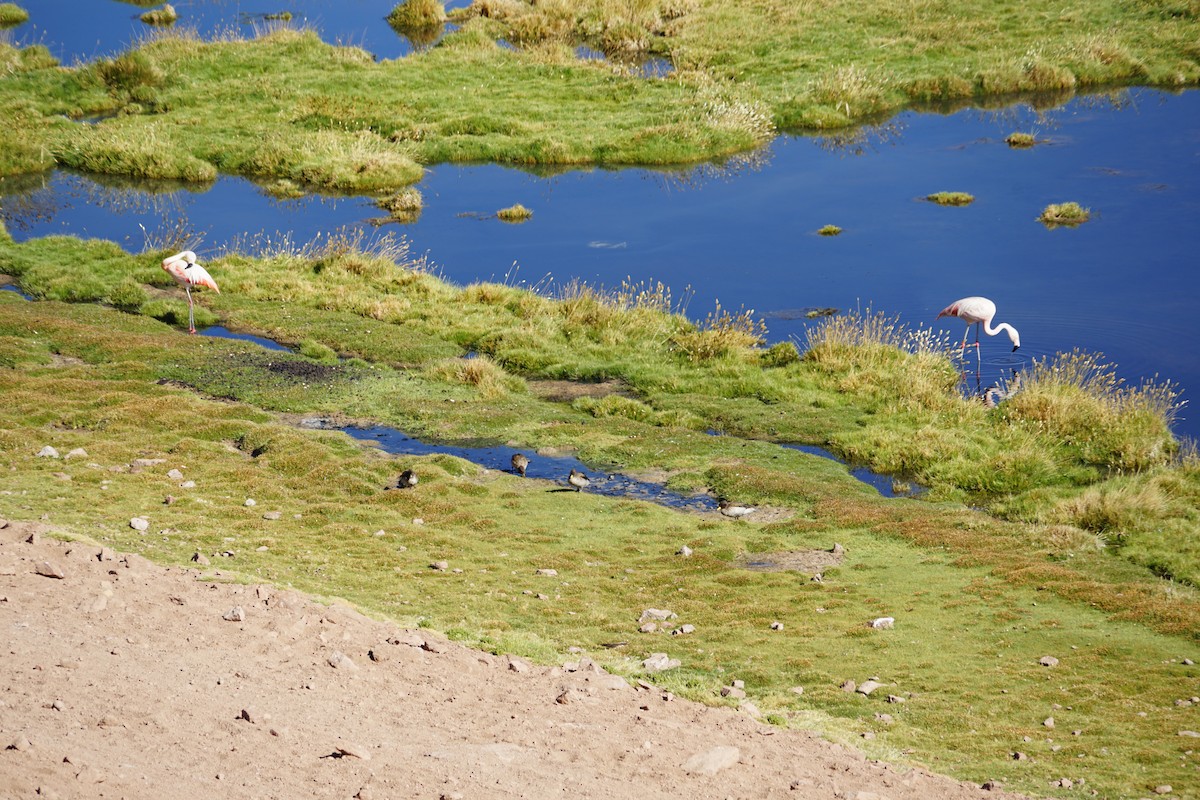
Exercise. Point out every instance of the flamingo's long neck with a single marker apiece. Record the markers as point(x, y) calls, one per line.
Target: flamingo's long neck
point(1003, 326)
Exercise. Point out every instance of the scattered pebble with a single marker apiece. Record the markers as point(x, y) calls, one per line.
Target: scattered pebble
point(272, 515)
point(20, 744)
point(660, 614)
point(1163, 789)
point(1048, 722)
point(78, 452)
point(250, 501)
point(139, 524)
point(235, 614)
point(849, 686)
point(339, 660)
point(47, 452)
point(868, 686)
point(353, 751)
point(549, 573)
point(684, 551)
point(200, 559)
point(175, 475)
point(1048, 661)
point(734, 692)
point(440, 566)
point(882, 623)
point(776, 626)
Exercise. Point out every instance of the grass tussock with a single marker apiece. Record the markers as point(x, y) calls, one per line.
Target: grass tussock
point(1020, 139)
point(514, 213)
point(404, 205)
point(1080, 399)
point(951, 198)
point(720, 334)
point(161, 16)
point(486, 376)
point(12, 15)
point(829, 230)
point(1064, 214)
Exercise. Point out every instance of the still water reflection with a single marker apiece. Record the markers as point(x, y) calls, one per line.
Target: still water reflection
point(1123, 284)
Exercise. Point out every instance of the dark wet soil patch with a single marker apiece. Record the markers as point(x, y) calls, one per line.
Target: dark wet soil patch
point(807, 561)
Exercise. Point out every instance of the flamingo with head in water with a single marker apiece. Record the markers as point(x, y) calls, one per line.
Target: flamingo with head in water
point(979, 311)
point(187, 273)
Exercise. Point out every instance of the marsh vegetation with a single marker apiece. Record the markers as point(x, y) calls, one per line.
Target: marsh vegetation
point(1068, 214)
point(1061, 520)
point(1091, 498)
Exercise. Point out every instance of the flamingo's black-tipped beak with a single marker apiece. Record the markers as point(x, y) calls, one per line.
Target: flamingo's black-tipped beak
point(1016, 347)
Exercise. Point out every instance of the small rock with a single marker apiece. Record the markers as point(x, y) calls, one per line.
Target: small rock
point(517, 665)
point(838, 550)
point(868, 686)
point(20, 744)
point(1163, 789)
point(1192, 734)
point(867, 735)
point(657, 662)
point(339, 660)
point(660, 614)
point(736, 694)
point(250, 502)
point(549, 573)
point(50, 570)
point(169, 500)
point(776, 626)
point(1048, 661)
point(1019, 756)
point(251, 715)
point(649, 627)
point(143, 463)
point(272, 515)
point(1048, 722)
point(1065, 783)
point(106, 554)
point(849, 686)
point(139, 524)
point(882, 623)
point(683, 630)
point(47, 452)
point(748, 707)
point(175, 475)
point(738, 683)
point(886, 719)
point(200, 559)
point(991, 786)
point(440, 566)
point(418, 521)
point(188, 485)
point(78, 452)
point(894, 698)
point(235, 614)
point(684, 551)
point(797, 690)
point(1187, 662)
point(710, 762)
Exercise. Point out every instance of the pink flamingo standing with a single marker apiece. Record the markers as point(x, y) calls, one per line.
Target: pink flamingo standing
point(979, 311)
point(187, 273)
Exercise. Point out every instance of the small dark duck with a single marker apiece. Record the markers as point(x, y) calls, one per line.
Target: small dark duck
point(407, 479)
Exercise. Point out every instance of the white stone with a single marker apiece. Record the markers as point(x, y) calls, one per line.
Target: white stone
point(883, 623)
point(139, 524)
point(175, 475)
point(710, 762)
point(47, 452)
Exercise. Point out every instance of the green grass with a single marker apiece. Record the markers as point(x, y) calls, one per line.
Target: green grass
point(951, 198)
point(287, 107)
point(1064, 214)
point(12, 15)
point(829, 230)
point(964, 652)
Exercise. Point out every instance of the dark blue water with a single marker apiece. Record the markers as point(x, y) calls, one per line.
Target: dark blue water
point(886, 485)
point(224, 333)
point(1122, 284)
point(551, 468)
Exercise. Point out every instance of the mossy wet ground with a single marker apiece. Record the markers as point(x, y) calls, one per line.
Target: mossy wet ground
point(978, 601)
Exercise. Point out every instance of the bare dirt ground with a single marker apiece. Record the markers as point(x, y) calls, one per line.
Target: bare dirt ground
point(124, 679)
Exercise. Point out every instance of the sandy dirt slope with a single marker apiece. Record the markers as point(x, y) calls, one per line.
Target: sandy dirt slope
point(125, 679)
